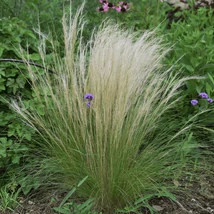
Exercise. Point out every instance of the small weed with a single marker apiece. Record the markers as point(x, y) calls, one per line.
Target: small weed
point(71, 207)
point(8, 197)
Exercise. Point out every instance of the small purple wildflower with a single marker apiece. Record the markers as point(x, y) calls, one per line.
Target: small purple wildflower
point(89, 96)
point(203, 95)
point(121, 9)
point(124, 4)
point(88, 103)
point(104, 8)
point(210, 100)
point(194, 102)
point(109, 5)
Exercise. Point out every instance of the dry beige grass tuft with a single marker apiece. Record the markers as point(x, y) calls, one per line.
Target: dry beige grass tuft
point(131, 92)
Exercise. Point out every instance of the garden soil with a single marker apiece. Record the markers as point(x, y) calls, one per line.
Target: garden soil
point(195, 196)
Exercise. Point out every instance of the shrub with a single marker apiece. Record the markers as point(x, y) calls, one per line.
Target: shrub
point(101, 109)
point(192, 54)
point(43, 12)
point(14, 133)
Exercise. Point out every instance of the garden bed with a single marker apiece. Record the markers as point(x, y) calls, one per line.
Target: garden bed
point(196, 197)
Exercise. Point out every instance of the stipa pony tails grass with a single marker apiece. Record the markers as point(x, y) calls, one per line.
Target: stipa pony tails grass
point(102, 138)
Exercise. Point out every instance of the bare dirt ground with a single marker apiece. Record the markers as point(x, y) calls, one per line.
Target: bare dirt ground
point(195, 196)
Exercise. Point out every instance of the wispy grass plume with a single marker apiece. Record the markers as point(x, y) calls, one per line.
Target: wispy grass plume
point(105, 136)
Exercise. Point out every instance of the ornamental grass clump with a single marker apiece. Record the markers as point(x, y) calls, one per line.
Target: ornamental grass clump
point(102, 106)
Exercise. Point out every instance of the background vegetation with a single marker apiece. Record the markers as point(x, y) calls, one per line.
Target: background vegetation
point(191, 43)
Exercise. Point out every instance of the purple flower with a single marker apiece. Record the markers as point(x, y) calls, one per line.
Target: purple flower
point(109, 5)
point(89, 97)
point(88, 103)
point(194, 102)
point(124, 4)
point(203, 95)
point(210, 100)
point(121, 9)
point(104, 8)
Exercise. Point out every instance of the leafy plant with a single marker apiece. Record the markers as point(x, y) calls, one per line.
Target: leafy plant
point(44, 13)
point(8, 197)
point(144, 201)
point(72, 207)
point(192, 54)
point(193, 46)
point(13, 133)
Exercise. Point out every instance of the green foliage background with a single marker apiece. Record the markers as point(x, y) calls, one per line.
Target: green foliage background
point(192, 53)
point(13, 32)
